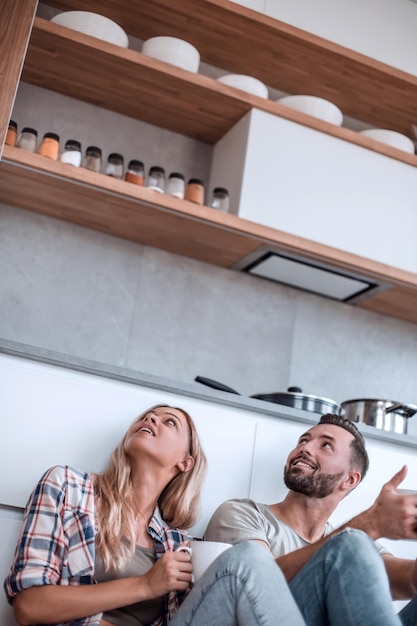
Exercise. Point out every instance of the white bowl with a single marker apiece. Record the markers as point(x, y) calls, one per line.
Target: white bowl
point(314, 106)
point(390, 137)
point(245, 83)
point(173, 50)
point(94, 25)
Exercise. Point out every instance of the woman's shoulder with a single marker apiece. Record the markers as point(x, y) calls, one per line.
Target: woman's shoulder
point(62, 473)
point(66, 484)
point(65, 477)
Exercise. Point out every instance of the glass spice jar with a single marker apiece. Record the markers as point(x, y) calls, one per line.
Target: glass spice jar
point(114, 165)
point(220, 199)
point(92, 159)
point(72, 153)
point(27, 139)
point(49, 146)
point(11, 134)
point(156, 179)
point(134, 172)
point(176, 185)
point(195, 191)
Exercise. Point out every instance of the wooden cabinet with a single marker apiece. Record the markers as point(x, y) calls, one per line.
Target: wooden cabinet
point(234, 38)
point(16, 20)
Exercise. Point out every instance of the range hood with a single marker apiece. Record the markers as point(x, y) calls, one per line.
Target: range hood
point(311, 276)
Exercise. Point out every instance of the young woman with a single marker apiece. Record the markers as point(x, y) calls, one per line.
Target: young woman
point(100, 549)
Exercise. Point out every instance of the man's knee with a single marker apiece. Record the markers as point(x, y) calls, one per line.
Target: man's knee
point(352, 545)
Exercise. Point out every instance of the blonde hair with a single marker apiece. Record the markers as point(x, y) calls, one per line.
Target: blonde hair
point(179, 502)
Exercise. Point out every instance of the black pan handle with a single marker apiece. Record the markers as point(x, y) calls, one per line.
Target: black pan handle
point(214, 384)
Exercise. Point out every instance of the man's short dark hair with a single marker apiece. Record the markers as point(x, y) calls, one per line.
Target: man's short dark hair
point(359, 457)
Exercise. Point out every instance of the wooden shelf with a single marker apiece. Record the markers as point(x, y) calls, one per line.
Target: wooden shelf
point(240, 40)
point(99, 202)
point(138, 86)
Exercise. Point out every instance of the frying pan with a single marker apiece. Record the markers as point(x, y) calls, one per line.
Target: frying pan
point(293, 397)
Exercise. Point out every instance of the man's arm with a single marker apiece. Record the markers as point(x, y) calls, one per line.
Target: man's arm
point(402, 574)
point(392, 516)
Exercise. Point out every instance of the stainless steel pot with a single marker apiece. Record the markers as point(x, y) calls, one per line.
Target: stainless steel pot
point(293, 398)
point(383, 414)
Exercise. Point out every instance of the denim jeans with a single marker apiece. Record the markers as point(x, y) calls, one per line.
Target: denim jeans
point(408, 614)
point(243, 586)
point(345, 584)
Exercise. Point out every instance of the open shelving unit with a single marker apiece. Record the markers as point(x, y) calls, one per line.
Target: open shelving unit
point(123, 80)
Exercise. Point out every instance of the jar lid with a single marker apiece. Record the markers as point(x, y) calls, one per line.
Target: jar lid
point(26, 129)
point(93, 149)
point(51, 136)
point(115, 156)
point(176, 175)
point(73, 143)
point(156, 170)
point(12, 124)
point(195, 181)
point(135, 163)
point(221, 190)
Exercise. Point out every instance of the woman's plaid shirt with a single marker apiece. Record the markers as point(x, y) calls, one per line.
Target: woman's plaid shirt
point(57, 541)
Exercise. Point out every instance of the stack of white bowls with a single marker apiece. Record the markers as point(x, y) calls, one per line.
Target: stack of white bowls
point(314, 106)
point(391, 138)
point(245, 83)
point(174, 51)
point(94, 25)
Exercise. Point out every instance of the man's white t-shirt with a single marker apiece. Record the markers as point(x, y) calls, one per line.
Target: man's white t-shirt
point(242, 519)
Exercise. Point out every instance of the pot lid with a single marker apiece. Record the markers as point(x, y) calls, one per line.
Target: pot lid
point(296, 396)
point(376, 400)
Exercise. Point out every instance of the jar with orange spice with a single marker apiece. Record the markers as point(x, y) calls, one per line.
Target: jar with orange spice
point(49, 146)
point(11, 134)
point(134, 172)
point(194, 191)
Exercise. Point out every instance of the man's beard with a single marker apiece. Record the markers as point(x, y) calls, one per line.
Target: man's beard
point(313, 485)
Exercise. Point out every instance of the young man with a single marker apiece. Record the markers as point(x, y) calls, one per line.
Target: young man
point(336, 577)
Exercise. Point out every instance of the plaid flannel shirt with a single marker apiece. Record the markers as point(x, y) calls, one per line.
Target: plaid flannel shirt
point(57, 541)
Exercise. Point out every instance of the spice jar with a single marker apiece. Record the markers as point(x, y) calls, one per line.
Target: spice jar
point(27, 139)
point(134, 172)
point(220, 199)
point(156, 178)
point(92, 159)
point(11, 134)
point(195, 191)
point(176, 185)
point(114, 165)
point(49, 146)
point(72, 153)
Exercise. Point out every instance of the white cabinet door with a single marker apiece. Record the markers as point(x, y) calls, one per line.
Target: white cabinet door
point(319, 187)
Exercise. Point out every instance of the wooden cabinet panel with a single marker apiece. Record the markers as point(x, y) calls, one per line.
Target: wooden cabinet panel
point(16, 20)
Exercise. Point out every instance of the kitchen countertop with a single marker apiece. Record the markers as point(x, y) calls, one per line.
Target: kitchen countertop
point(194, 390)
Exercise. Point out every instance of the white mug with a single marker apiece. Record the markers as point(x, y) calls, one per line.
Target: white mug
point(203, 553)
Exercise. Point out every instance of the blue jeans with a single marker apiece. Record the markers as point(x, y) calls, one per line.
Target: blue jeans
point(408, 614)
point(345, 584)
point(243, 586)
